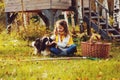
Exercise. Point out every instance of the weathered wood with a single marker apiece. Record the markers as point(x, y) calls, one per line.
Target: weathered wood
point(33, 5)
point(86, 3)
point(36, 5)
point(46, 59)
point(61, 4)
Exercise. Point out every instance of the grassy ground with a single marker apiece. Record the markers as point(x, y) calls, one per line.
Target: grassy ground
point(18, 63)
point(60, 70)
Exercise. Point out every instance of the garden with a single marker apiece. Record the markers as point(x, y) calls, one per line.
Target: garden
point(17, 61)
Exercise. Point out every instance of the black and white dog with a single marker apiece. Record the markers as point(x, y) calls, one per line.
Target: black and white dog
point(42, 46)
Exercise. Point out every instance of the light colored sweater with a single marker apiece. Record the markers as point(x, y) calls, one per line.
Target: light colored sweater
point(63, 41)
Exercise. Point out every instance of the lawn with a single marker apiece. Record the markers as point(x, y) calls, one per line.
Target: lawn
point(18, 63)
point(60, 70)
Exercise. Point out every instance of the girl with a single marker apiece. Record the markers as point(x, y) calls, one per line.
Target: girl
point(65, 45)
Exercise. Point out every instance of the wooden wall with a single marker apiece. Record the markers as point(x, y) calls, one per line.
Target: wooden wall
point(12, 5)
point(32, 5)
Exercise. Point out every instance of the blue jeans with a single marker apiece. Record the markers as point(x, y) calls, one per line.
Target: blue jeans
point(69, 50)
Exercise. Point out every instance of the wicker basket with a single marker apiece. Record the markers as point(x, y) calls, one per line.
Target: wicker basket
point(97, 49)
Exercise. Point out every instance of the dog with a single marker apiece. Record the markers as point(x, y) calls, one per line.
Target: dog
point(42, 46)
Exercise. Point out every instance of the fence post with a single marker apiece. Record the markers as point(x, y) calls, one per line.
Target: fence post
point(89, 27)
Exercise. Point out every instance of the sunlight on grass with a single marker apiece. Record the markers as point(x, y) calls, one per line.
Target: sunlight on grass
point(11, 45)
point(65, 69)
point(18, 63)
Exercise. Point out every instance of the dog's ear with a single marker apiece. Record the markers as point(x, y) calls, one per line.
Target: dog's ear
point(37, 43)
point(45, 39)
point(50, 39)
point(43, 43)
point(37, 39)
point(53, 44)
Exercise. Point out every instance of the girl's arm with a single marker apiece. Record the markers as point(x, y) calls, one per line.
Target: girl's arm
point(64, 43)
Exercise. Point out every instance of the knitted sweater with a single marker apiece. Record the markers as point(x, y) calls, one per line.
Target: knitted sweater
point(63, 41)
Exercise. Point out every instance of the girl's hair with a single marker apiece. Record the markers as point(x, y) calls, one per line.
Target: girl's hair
point(65, 26)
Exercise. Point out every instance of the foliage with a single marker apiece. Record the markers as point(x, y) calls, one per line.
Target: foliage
point(2, 27)
point(59, 69)
point(11, 45)
point(111, 20)
point(84, 37)
point(1, 8)
point(17, 62)
point(2, 16)
point(33, 32)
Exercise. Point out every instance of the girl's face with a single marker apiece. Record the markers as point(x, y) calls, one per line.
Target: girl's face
point(60, 29)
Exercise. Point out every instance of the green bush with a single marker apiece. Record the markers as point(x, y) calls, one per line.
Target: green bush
point(32, 32)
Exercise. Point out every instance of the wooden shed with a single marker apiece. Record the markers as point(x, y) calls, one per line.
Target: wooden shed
point(35, 5)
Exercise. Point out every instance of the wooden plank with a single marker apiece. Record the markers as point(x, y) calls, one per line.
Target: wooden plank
point(28, 8)
point(55, 2)
point(61, 4)
point(13, 9)
point(59, 7)
point(37, 5)
point(13, 5)
point(34, 3)
point(31, 5)
point(37, 1)
point(61, 1)
point(86, 3)
point(47, 59)
point(12, 1)
point(47, 4)
point(36, 8)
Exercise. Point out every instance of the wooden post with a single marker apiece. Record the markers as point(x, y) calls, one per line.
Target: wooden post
point(73, 22)
point(10, 17)
point(17, 26)
point(23, 15)
point(51, 19)
point(89, 27)
point(6, 14)
point(80, 15)
point(107, 23)
point(105, 4)
point(65, 16)
point(98, 14)
point(26, 18)
point(52, 16)
point(116, 14)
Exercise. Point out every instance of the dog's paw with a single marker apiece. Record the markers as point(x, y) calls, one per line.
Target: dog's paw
point(45, 53)
point(35, 52)
point(33, 44)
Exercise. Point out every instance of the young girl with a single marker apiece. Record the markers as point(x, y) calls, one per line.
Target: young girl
point(65, 45)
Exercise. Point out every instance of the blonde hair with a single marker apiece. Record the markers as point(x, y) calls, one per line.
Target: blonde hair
point(62, 23)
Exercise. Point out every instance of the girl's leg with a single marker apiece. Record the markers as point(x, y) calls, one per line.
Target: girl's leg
point(55, 51)
point(71, 49)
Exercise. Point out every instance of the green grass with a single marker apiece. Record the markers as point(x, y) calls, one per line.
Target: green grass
point(18, 63)
point(60, 70)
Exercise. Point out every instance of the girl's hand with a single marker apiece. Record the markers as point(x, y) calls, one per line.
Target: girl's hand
point(53, 42)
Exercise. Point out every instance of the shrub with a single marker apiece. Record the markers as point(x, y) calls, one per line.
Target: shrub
point(32, 32)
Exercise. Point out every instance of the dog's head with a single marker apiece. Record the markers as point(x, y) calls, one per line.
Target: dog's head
point(46, 43)
point(42, 44)
point(37, 45)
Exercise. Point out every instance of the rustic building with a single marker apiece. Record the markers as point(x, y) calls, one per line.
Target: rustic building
point(34, 5)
